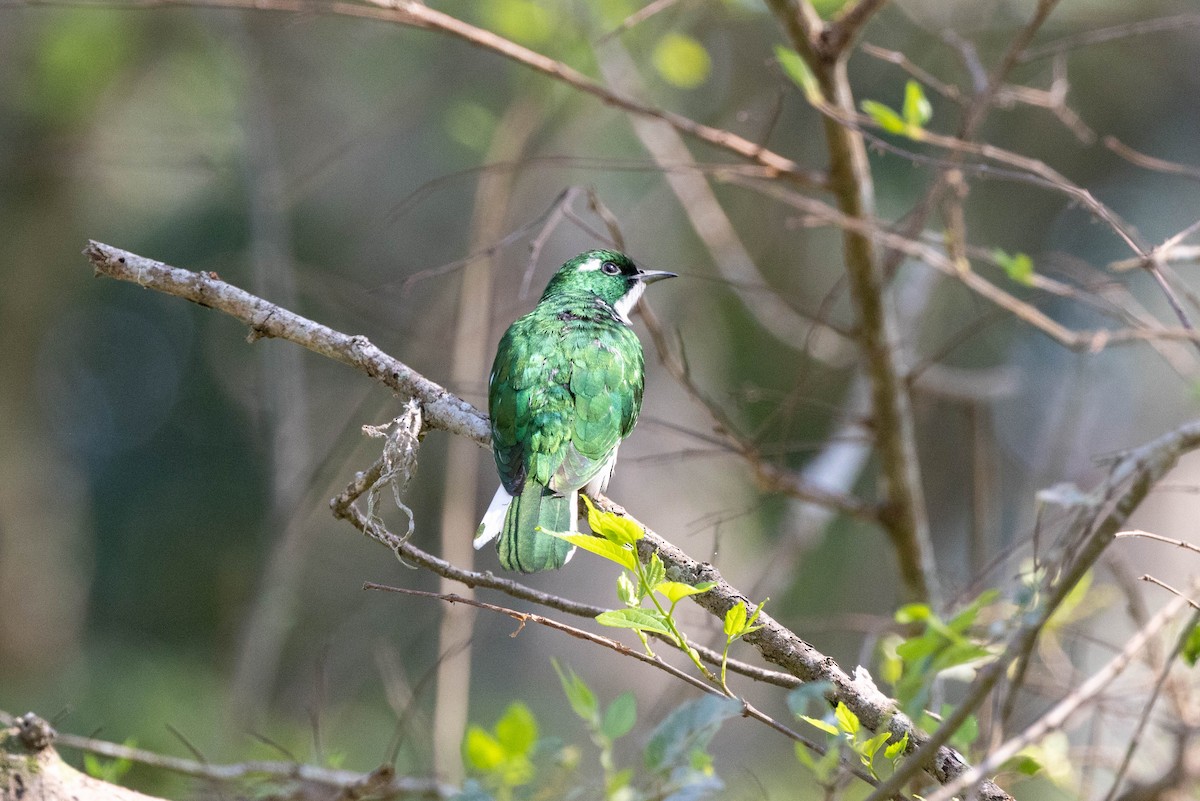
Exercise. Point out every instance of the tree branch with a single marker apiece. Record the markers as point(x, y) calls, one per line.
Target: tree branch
point(850, 180)
point(775, 642)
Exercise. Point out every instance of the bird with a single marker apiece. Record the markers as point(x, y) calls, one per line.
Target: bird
point(564, 391)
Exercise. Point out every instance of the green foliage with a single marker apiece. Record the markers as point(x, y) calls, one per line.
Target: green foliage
point(910, 121)
point(795, 68)
point(617, 542)
point(911, 664)
point(1018, 266)
point(682, 61)
point(1049, 757)
point(676, 754)
point(843, 730)
point(522, 21)
point(503, 756)
point(108, 770)
point(1190, 653)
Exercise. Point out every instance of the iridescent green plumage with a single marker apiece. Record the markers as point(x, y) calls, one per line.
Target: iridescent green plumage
point(565, 389)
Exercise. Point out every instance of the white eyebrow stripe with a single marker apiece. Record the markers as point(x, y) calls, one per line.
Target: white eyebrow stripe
point(591, 265)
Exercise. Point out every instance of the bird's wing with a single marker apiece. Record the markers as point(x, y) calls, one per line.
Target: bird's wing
point(607, 374)
point(561, 401)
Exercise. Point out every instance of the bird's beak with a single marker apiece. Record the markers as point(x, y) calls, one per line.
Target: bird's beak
point(650, 276)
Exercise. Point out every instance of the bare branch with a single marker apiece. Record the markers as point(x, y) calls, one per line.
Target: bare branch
point(850, 180)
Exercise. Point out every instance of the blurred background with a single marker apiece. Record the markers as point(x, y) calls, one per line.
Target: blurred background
point(167, 557)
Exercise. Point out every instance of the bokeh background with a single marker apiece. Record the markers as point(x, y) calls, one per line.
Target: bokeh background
point(167, 559)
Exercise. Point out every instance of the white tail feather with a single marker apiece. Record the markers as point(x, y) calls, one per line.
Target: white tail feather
point(493, 518)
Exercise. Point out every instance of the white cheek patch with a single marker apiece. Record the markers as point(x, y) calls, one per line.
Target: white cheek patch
point(591, 265)
point(627, 301)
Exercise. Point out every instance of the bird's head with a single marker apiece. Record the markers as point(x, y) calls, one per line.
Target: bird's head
point(607, 274)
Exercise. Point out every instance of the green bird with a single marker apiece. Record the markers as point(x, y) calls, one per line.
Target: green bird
point(564, 391)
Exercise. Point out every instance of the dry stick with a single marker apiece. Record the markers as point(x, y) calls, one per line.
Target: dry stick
point(1157, 538)
point(444, 411)
point(1152, 580)
point(748, 709)
point(1057, 717)
point(1137, 471)
point(904, 517)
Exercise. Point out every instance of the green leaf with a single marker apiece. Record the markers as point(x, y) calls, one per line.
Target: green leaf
point(517, 730)
point(966, 618)
point(688, 729)
point(913, 613)
point(797, 69)
point(891, 666)
point(640, 619)
point(1191, 647)
point(1018, 266)
point(483, 751)
point(681, 60)
point(614, 552)
point(620, 716)
point(805, 758)
point(627, 591)
point(675, 591)
point(917, 110)
point(823, 725)
point(579, 695)
point(655, 572)
point(869, 747)
point(611, 526)
point(885, 117)
point(1023, 764)
point(897, 748)
point(846, 719)
point(735, 620)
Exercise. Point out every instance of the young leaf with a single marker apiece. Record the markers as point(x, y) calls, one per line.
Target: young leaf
point(1191, 648)
point(1018, 266)
point(796, 69)
point(847, 720)
point(655, 572)
point(517, 730)
point(628, 618)
point(614, 552)
point(735, 620)
point(613, 527)
point(885, 117)
point(620, 716)
point(675, 591)
point(895, 749)
point(579, 695)
point(913, 613)
point(917, 110)
point(871, 746)
point(823, 725)
point(627, 591)
point(483, 751)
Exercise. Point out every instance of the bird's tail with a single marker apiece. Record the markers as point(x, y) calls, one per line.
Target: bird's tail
point(521, 547)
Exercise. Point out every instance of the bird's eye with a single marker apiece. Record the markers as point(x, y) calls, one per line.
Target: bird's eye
point(608, 268)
